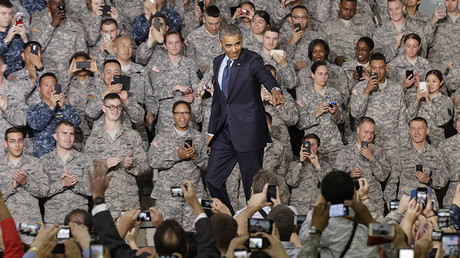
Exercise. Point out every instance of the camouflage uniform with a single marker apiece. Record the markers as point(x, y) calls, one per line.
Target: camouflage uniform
point(251, 42)
point(58, 43)
point(375, 171)
point(298, 52)
point(398, 67)
point(21, 80)
point(32, 5)
point(419, 18)
point(203, 47)
point(16, 108)
point(328, 9)
point(450, 149)
point(130, 9)
point(403, 173)
point(172, 171)
point(99, 56)
point(324, 126)
point(101, 146)
point(190, 23)
point(92, 26)
point(22, 201)
point(43, 121)
point(388, 109)
point(60, 200)
point(305, 182)
point(438, 112)
point(11, 52)
point(445, 47)
point(452, 75)
point(287, 76)
point(349, 68)
point(274, 8)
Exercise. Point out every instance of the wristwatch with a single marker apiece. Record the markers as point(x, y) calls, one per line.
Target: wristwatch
point(98, 200)
point(313, 231)
point(430, 181)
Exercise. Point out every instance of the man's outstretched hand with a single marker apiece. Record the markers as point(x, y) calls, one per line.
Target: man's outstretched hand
point(100, 181)
point(278, 98)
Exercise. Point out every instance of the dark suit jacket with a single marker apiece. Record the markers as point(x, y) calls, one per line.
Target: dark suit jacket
point(243, 109)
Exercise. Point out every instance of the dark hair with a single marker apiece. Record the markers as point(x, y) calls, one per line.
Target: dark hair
point(170, 226)
point(337, 186)
point(192, 244)
point(173, 32)
point(111, 61)
point(312, 136)
point(419, 119)
point(269, 118)
point(312, 45)
point(225, 229)
point(436, 73)
point(264, 15)
point(298, 7)
point(48, 74)
point(369, 42)
point(63, 122)
point(271, 28)
point(2, 59)
point(365, 119)
point(78, 54)
point(30, 42)
point(271, 68)
point(159, 15)
point(261, 178)
point(317, 64)
point(6, 3)
point(249, 3)
point(109, 21)
point(283, 217)
point(377, 56)
point(13, 130)
point(111, 96)
point(413, 36)
point(349, 1)
point(212, 11)
point(177, 103)
point(86, 218)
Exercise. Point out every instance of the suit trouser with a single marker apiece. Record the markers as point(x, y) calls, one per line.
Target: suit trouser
point(223, 159)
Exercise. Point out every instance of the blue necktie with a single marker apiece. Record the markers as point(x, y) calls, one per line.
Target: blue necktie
point(226, 78)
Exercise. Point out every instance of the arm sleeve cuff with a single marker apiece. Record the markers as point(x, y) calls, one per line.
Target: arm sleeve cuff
point(201, 216)
point(99, 208)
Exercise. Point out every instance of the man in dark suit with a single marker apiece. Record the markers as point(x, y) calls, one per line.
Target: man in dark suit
point(237, 129)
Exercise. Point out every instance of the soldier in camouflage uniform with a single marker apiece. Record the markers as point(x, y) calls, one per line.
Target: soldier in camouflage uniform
point(177, 162)
point(42, 118)
point(342, 31)
point(452, 76)
point(278, 11)
point(253, 38)
point(436, 108)
point(370, 162)
point(58, 36)
point(203, 44)
point(363, 50)
point(329, 9)
point(318, 114)
point(413, 14)
point(121, 148)
point(146, 51)
point(417, 152)
point(129, 9)
point(22, 179)
point(105, 48)
point(382, 100)
point(68, 178)
point(305, 175)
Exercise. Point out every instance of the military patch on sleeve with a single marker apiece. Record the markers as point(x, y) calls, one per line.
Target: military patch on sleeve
point(356, 92)
point(454, 100)
point(35, 29)
point(300, 103)
point(451, 65)
point(186, 42)
point(12, 77)
point(156, 144)
point(155, 69)
point(90, 96)
point(388, 68)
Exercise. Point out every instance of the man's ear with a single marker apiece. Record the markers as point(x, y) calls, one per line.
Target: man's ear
point(55, 136)
point(428, 130)
point(23, 57)
point(3, 68)
point(5, 144)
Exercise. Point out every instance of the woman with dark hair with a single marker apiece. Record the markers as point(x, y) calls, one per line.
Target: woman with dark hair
point(431, 104)
point(252, 40)
point(408, 68)
point(363, 51)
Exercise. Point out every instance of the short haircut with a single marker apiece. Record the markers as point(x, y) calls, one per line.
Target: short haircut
point(271, 68)
point(170, 227)
point(312, 45)
point(212, 11)
point(30, 42)
point(349, 1)
point(299, 7)
point(365, 119)
point(111, 96)
point(177, 103)
point(2, 59)
point(312, 136)
point(269, 118)
point(249, 3)
point(377, 57)
point(264, 15)
point(48, 74)
point(283, 218)
point(271, 28)
point(109, 21)
point(86, 218)
point(436, 73)
point(261, 178)
point(6, 3)
point(159, 15)
point(369, 42)
point(337, 186)
point(413, 36)
point(111, 61)
point(229, 30)
point(317, 64)
point(225, 229)
point(402, 1)
point(63, 122)
point(78, 54)
point(13, 130)
point(419, 119)
point(173, 32)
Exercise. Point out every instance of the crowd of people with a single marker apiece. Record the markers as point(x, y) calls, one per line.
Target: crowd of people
point(103, 100)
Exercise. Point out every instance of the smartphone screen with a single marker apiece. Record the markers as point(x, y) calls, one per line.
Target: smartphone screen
point(57, 89)
point(271, 193)
point(63, 233)
point(338, 210)
point(144, 216)
point(443, 218)
point(96, 251)
point(450, 244)
point(422, 196)
point(260, 225)
point(406, 253)
point(176, 191)
point(394, 204)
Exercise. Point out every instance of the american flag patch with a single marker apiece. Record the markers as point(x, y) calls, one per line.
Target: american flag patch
point(90, 96)
point(35, 29)
point(155, 69)
point(186, 42)
point(156, 144)
point(451, 65)
point(300, 103)
point(12, 77)
point(454, 100)
point(356, 92)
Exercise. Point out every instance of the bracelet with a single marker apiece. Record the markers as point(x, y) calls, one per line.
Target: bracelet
point(363, 199)
point(300, 162)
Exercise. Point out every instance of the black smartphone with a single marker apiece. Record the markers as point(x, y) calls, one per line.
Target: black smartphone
point(116, 79)
point(126, 81)
point(144, 216)
point(422, 194)
point(28, 229)
point(436, 235)
point(419, 168)
point(57, 89)
point(258, 243)
point(106, 9)
point(188, 143)
point(260, 225)
point(450, 244)
point(376, 75)
point(201, 5)
point(298, 221)
point(176, 191)
point(96, 250)
point(297, 27)
point(359, 70)
point(61, 7)
point(394, 204)
point(157, 24)
point(271, 193)
point(205, 203)
point(365, 144)
point(83, 65)
point(34, 49)
point(409, 73)
point(63, 233)
point(356, 184)
point(443, 218)
point(338, 210)
point(306, 145)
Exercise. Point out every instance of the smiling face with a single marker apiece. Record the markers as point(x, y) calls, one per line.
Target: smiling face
point(418, 131)
point(181, 117)
point(110, 70)
point(362, 52)
point(433, 83)
point(124, 48)
point(258, 24)
point(396, 10)
point(112, 109)
point(270, 40)
point(232, 45)
point(46, 87)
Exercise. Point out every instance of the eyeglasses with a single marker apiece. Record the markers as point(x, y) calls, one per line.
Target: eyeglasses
point(112, 107)
point(181, 113)
point(303, 18)
point(12, 141)
point(362, 50)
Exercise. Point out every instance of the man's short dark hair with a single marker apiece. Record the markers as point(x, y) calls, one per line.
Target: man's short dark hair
point(271, 28)
point(63, 122)
point(2, 59)
point(229, 30)
point(13, 130)
point(311, 136)
point(261, 178)
point(212, 11)
point(349, 1)
point(283, 217)
point(377, 56)
point(6, 3)
point(337, 186)
point(111, 96)
point(249, 3)
point(86, 218)
point(111, 61)
point(109, 21)
point(225, 228)
point(48, 74)
point(312, 45)
point(177, 103)
point(166, 248)
point(78, 54)
point(299, 7)
point(30, 42)
point(419, 119)
point(365, 119)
